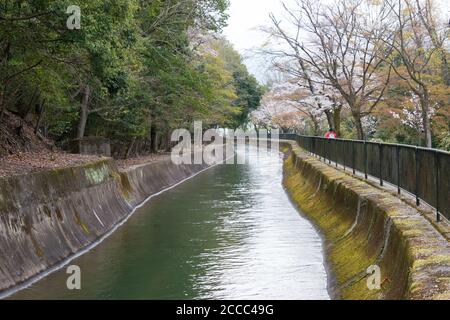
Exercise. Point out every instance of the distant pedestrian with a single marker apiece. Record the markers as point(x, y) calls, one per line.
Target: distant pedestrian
point(331, 134)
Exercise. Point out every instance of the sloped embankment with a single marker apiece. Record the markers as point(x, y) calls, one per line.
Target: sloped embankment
point(47, 217)
point(365, 226)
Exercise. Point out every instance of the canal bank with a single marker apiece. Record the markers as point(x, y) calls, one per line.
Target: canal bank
point(228, 233)
point(49, 218)
point(366, 227)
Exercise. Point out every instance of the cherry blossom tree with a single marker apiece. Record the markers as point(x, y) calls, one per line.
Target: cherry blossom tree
point(291, 107)
point(411, 113)
point(342, 45)
point(416, 43)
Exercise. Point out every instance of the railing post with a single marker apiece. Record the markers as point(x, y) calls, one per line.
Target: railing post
point(329, 150)
point(343, 155)
point(314, 146)
point(380, 153)
point(326, 144)
point(335, 152)
point(399, 190)
point(319, 149)
point(353, 158)
point(438, 215)
point(322, 151)
point(417, 163)
point(310, 143)
point(365, 159)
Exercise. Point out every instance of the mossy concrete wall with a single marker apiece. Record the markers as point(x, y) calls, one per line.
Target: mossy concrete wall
point(364, 226)
point(47, 217)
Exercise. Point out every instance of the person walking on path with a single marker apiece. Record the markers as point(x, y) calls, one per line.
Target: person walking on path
point(331, 134)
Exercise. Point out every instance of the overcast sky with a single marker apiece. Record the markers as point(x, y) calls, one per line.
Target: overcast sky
point(246, 16)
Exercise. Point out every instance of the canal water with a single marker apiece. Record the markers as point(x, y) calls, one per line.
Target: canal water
point(228, 233)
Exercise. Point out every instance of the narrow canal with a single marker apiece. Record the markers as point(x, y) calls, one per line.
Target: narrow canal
point(229, 233)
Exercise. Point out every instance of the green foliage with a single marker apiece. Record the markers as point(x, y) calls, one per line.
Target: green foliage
point(249, 91)
point(445, 141)
point(137, 59)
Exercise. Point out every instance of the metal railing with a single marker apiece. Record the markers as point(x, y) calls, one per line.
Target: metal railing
point(425, 173)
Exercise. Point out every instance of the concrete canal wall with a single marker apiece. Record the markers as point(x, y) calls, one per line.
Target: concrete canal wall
point(47, 217)
point(365, 226)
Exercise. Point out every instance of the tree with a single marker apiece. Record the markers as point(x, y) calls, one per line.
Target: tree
point(317, 97)
point(291, 108)
point(413, 55)
point(130, 73)
point(438, 32)
point(248, 90)
point(344, 47)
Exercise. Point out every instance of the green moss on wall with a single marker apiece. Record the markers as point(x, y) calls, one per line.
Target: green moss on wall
point(347, 255)
point(365, 226)
point(97, 174)
point(81, 223)
point(125, 185)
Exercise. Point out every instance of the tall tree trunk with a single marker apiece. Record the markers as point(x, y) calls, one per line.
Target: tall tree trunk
point(337, 120)
point(316, 126)
point(153, 140)
point(426, 121)
point(2, 102)
point(255, 127)
point(161, 142)
point(138, 147)
point(40, 116)
point(358, 125)
point(5, 58)
point(84, 112)
point(330, 121)
point(445, 67)
point(27, 109)
point(130, 148)
point(168, 141)
point(334, 119)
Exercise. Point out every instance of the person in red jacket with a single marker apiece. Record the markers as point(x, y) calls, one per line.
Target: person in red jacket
point(331, 134)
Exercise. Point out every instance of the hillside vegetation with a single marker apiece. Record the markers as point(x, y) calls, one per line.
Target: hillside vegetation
point(133, 71)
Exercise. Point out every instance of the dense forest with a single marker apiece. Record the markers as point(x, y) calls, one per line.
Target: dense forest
point(377, 70)
point(131, 71)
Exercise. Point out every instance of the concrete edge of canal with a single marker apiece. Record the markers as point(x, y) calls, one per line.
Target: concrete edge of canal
point(363, 227)
point(48, 218)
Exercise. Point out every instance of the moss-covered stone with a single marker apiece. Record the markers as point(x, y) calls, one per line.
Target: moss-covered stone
point(366, 226)
point(97, 174)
